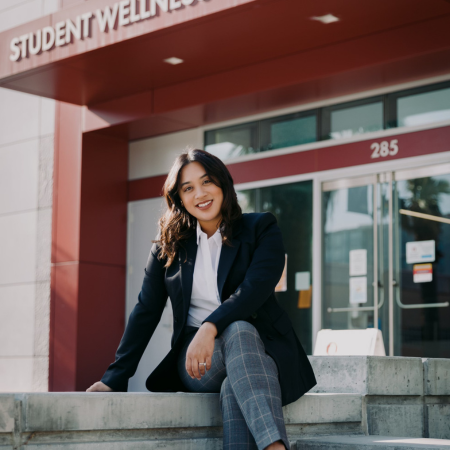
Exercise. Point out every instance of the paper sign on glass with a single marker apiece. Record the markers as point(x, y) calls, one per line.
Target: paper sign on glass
point(420, 251)
point(358, 262)
point(358, 290)
point(422, 273)
point(302, 281)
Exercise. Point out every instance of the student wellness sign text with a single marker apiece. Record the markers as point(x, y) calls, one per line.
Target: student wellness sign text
point(124, 13)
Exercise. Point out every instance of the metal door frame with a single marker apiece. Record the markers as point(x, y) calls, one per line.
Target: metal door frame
point(373, 176)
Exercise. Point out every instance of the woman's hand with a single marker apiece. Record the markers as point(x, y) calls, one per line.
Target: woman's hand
point(200, 350)
point(99, 387)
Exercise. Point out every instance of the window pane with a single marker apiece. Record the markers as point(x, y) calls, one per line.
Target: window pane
point(356, 120)
point(292, 206)
point(287, 131)
point(232, 141)
point(423, 108)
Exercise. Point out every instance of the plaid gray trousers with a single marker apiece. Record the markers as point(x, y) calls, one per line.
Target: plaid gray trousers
point(247, 379)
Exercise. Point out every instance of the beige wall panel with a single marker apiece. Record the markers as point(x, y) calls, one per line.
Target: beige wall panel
point(17, 320)
point(19, 116)
point(19, 166)
point(17, 374)
point(18, 243)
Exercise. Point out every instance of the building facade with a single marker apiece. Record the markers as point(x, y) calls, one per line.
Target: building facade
point(334, 118)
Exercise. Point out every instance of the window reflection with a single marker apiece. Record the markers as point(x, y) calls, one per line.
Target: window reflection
point(361, 119)
point(427, 107)
point(233, 141)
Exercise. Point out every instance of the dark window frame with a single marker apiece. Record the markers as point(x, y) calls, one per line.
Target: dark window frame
point(323, 115)
point(392, 98)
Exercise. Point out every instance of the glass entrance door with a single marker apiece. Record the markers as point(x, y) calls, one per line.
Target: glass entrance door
point(386, 258)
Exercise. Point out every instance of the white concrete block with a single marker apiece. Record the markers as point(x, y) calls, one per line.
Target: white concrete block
point(436, 373)
point(394, 376)
point(155, 156)
point(17, 320)
point(19, 114)
point(19, 175)
point(6, 413)
point(47, 107)
point(321, 408)
point(439, 421)
point(369, 442)
point(17, 374)
point(395, 420)
point(371, 375)
point(157, 444)
point(98, 411)
point(18, 244)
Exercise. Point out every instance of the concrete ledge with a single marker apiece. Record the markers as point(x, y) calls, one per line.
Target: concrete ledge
point(436, 376)
point(119, 411)
point(370, 442)
point(149, 420)
point(368, 375)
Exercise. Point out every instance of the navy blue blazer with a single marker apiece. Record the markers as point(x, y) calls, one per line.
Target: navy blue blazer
point(248, 272)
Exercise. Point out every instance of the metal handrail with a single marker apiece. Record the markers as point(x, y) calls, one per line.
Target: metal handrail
point(361, 308)
point(418, 305)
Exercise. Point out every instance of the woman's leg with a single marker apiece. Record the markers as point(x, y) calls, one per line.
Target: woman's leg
point(253, 379)
point(236, 435)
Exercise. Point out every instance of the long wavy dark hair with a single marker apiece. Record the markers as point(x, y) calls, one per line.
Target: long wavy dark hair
point(176, 224)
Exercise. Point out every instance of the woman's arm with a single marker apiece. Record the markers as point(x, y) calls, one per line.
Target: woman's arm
point(262, 276)
point(141, 325)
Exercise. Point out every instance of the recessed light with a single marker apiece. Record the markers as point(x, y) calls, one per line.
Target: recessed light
point(174, 61)
point(327, 18)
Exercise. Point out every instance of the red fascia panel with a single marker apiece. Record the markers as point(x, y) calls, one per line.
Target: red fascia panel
point(101, 319)
point(146, 188)
point(103, 217)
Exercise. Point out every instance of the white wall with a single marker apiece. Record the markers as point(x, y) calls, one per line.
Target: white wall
point(26, 175)
point(154, 156)
point(142, 229)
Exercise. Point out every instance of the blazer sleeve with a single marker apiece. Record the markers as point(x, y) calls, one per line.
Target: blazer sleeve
point(262, 276)
point(141, 324)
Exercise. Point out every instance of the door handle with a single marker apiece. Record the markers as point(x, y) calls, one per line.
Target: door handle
point(419, 305)
point(360, 308)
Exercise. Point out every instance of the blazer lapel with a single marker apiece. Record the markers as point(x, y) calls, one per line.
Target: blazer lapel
point(187, 262)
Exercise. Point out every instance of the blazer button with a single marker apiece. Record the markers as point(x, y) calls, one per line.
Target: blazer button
point(175, 320)
point(254, 315)
point(270, 337)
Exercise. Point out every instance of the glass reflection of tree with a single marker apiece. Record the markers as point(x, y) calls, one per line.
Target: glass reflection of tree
point(424, 198)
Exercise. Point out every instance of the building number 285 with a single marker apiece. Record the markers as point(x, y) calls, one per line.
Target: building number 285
point(384, 148)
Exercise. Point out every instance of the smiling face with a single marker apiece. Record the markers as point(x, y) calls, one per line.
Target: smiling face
point(201, 197)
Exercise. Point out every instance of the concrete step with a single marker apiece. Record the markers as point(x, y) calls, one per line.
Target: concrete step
point(122, 421)
point(369, 443)
point(382, 375)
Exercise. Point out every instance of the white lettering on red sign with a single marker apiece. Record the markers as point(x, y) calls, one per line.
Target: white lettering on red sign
point(125, 12)
point(384, 148)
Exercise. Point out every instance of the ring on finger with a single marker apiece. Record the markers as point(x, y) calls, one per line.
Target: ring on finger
point(202, 364)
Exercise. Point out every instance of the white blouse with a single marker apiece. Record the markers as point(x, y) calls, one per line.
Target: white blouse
point(205, 295)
